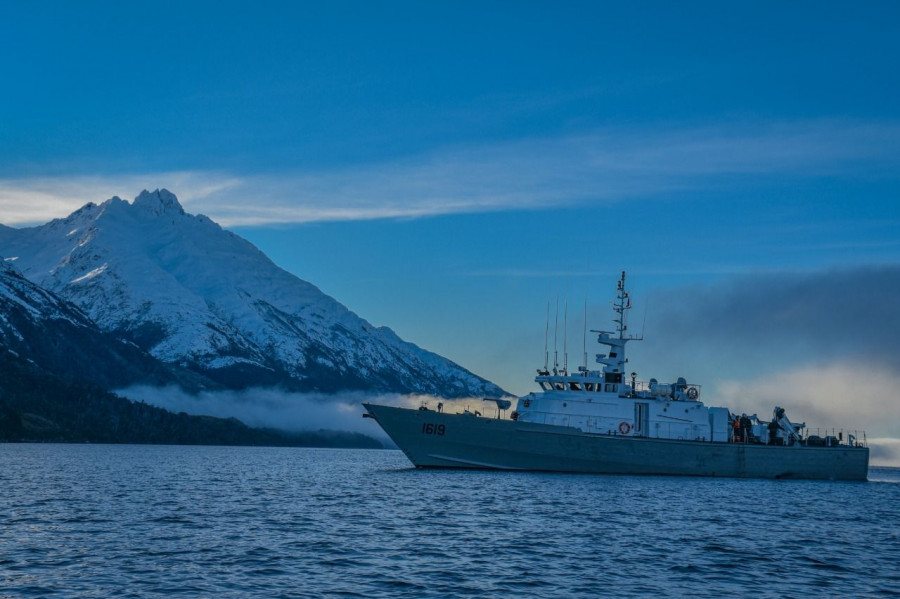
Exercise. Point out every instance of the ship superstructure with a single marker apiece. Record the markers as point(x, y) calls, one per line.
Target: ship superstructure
point(609, 401)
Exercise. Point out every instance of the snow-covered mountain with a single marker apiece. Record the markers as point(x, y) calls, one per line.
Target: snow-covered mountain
point(195, 295)
point(56, 337)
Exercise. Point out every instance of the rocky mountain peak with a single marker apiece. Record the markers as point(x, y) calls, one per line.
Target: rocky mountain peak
point(158, 202)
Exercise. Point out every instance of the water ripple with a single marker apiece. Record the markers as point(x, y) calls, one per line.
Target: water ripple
point(137, 521)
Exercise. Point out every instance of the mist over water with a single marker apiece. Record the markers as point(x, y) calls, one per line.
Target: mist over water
point(154, 521)
point(884, 452)
point(266, 408)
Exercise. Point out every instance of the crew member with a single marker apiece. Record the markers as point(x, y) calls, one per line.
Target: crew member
point(745, 428)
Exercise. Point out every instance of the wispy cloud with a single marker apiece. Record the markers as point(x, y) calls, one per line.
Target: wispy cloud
point(604, 166)
point(35, 200)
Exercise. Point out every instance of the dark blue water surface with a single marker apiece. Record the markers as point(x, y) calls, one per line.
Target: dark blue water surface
point(145, 521)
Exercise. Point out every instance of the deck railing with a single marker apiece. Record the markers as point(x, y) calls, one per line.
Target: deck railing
point(845, 436)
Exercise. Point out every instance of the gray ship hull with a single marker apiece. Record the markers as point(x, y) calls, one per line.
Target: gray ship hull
point(436, 440)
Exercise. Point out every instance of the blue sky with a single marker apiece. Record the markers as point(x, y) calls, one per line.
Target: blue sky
point(445, 168)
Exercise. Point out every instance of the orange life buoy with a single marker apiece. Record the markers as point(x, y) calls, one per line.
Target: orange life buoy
point(693, 393)
point(624, 428)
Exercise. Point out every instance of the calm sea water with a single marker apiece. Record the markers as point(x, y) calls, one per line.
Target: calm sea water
point(145, 521)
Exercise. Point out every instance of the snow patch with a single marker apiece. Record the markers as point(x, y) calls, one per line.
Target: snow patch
point(90, 275)
point(226, 361)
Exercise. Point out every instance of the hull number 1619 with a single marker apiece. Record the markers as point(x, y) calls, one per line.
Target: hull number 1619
point(433, 429)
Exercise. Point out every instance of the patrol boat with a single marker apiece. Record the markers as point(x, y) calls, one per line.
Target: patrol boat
point(599, 421)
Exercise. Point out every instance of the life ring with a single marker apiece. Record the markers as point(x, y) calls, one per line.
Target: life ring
point(693, 393)
point(624, 428)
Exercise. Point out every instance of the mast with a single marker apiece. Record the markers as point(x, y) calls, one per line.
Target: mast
point(615, 361)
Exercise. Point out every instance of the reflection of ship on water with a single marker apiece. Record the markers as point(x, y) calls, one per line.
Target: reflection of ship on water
point(602, 421)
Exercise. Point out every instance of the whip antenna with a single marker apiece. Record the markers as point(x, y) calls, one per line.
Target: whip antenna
point(584, 335)
point(644, 322)
point(546, 335)
point(555, 337)
point(566, 339)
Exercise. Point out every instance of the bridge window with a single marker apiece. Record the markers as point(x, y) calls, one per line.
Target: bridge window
point(574, 386)
point(589, 386)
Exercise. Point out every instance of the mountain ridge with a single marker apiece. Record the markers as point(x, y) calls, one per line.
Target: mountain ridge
point(195, 295)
